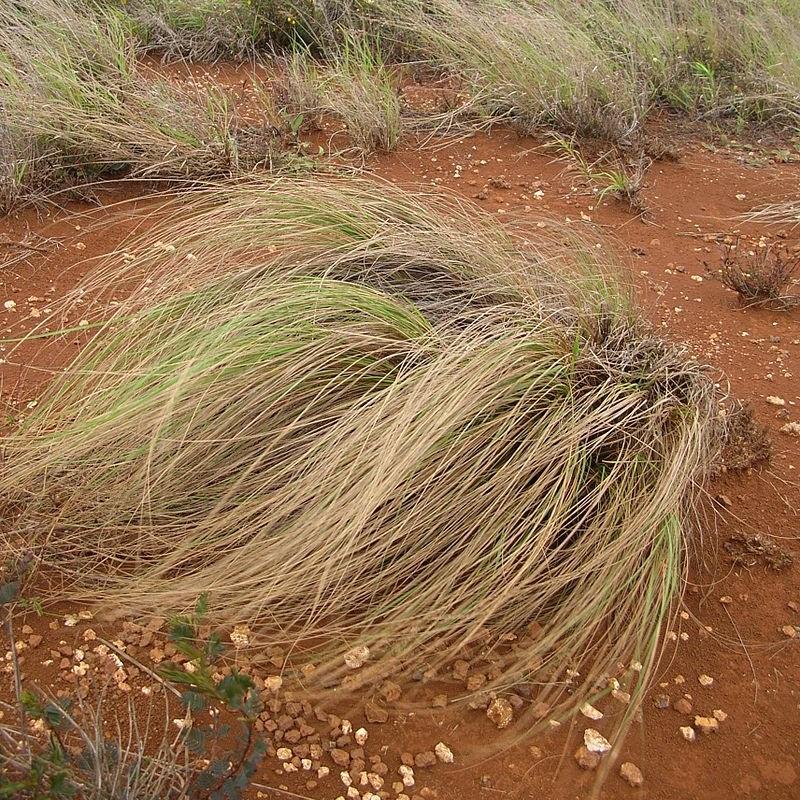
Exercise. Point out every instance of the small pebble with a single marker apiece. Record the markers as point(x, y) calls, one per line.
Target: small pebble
point(407, 775)
point(586, 759)
point(706, 725)
point(356, 657)
point(661, 701)
point(588, 710)
point(682, 706)
point(631, 773)
point(500, 712)
point(595, 742)
point(688, 733)
point(443, 753)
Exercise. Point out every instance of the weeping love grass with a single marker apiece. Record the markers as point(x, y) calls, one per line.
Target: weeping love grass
point(73, 102)
point(596, 67)
point(361, 418)
point(354, 86)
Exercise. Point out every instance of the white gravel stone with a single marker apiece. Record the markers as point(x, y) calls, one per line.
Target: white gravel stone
point(443, 753)
point(588, 710)
point(595, 742)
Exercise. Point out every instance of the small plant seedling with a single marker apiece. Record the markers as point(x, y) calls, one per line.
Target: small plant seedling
point(295, 124)
point(607, 175)
point(75, 758)
point(231, 772)
point(761, 276)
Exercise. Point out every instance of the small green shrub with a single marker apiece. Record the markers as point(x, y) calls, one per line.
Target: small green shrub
point(72, 755)
point(607, 175)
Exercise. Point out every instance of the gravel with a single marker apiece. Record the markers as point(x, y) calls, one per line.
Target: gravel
point(595, 742)
point(500, 712)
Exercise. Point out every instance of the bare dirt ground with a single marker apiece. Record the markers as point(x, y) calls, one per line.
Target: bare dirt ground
point(736, 617)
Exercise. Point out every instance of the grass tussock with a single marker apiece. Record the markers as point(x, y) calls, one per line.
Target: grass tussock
point(354, 86)
point(74, 106)
point(208, 29)
point(358, 417)
point(787, 213)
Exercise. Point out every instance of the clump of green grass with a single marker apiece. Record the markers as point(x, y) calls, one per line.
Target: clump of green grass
point(205, 29)
point(593, 67)
point(208, 29)
point(355, 86)
point(74, 104)
point(525, 64)
point(363, 418)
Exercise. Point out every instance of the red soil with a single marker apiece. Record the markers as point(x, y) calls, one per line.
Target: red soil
point(754, 754)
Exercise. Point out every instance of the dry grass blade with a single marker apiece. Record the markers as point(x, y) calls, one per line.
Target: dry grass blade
point(787, 213)
point(359, 417)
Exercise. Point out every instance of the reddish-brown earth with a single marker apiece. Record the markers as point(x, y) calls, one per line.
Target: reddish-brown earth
point(755, 666)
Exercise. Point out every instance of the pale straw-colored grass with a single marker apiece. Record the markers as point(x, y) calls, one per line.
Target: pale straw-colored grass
point(360, 417)
point(75, 105)
point(355, 87)
point(786, 213)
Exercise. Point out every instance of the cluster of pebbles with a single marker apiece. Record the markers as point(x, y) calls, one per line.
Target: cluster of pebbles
point(306, 742)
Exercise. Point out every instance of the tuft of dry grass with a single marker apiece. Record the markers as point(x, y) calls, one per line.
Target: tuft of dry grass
point(354, 86)
point(787, 213)
point(359, 417)
point(761, 277)
point(74, 106)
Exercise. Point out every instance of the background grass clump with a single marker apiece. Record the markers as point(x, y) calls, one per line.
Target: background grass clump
point(595, 67)
point(355, 86)
point(358, 417)
point(75, 106)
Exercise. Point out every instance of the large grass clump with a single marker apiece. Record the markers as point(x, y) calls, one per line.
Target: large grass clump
point(361, 417)
point(76, 106)
point(600, 67)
